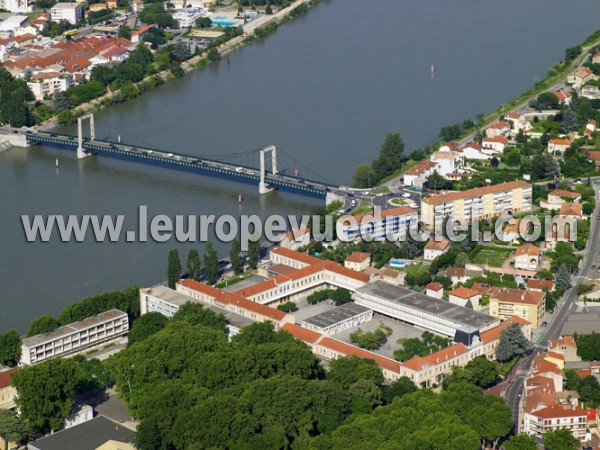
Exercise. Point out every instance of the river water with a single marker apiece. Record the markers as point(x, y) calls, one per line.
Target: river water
point(325, 89)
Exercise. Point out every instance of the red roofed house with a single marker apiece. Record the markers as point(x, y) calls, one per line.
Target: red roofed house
point(463, 295)
point(435, 248)
point(417, 175)
point(565, 346)
point(498, 129)
point(590, 128)
point(571, 210)
point(136, 36)
point(435, 290)
point(558, 196)
point(47, 83)
point(558, 145)
point(527, 257)
point(594, 157)
point(493, 145)
point(528, 305)
point(581, 76)
point(358, 261)
point(555, 417)
point(540, 285)
point(296, 238)
point(564, 98)
point(7, 390)
point(473, 151)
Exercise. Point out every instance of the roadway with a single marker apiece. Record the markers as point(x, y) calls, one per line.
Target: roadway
point(558, 318)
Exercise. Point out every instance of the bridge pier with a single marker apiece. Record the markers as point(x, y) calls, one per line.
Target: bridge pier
point(81, 153)
point(263, 188)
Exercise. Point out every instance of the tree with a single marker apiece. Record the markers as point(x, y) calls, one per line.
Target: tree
point(211, 263)
point(363, 176)
point(494, 162)
point(461, 260)
point(213, 55)
point(560, 440)
point(287, 307)
point(435, 181)
point(253, 253)
point(43, 324)
point(173, 268)
point(390, 156)
point(60, 101)
point(563, 278)
point(512, 343)
point(550, 167)
point(46, 392)
point(370, 340)
point(194, 267)
point(203, 22)
point(546, 100)
point(365, 395)
point(398, 388)
point(341, 296)
point(569, 122)
point(234, 257)
point(147, 325)
point(13, 429)
point(124, 31)
point(181, 52)
point(521, 442)
point(196, 314)
point(347, 370)
point(10, 348)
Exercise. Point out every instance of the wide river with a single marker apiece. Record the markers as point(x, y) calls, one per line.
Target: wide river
point(325, 89)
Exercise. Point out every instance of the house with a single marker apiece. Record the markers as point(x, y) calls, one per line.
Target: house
point(558, 196)
point(500, 128)
point(358, 261)
point(186, 18)
point(581, 76)
point(81, 413)
point(596, 58)
point(565, 346)
point(574, 210)
point(296, 238)
point(473, 151)
point(518, 122)
point(461, 275)
point(417, 175)
point(540, 285)
point(590, 128)
point(7, 390)
point(116, 54)
point(435, 248)
point(47, 83)
point(558, 145)
point(594, 157)
point(510, 233)
point(564, 98)
point(493, 145)
point(137, 36)
point(462, 296)
point(555, 417)
point(435, 290)
point(392, 276)
point(449, 146)
point(447, 162)
point(527, 257)
point(529, 305)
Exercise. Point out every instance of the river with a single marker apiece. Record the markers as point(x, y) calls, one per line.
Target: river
point(325, 89)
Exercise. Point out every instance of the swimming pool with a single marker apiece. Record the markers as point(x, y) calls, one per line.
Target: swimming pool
point(223, 23)
point(397, 263)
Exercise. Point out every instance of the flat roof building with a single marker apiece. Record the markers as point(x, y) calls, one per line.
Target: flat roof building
point(581, 323)
point(71, 12)
point(75, 337)
point(462, 324)
point(338, 319)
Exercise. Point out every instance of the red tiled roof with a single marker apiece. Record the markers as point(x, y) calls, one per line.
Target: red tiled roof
point(528, 249)
point(563, 142)
point(303, 334)
point(496, 139)
point(249, 305)
point(5, 377)
point(556, 411)
point(439, 245)
point(341, 270)
point(556, 355)
point(418, 363)
point(571, 209)
point(434, 286)
point(562, 95)
point(498, 125)
point(594, 156)
point(518, 296)
point(301, 257)
point(565, 194)
point(348, 350)
point(566, 340)
point(463, 292)
point(201, 287)
point(358, 257)
point(477, 192)
point(143, 30)
point(540, 284)
point(420, 168)
point(493, 334)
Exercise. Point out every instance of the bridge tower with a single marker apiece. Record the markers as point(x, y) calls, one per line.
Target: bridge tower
point(80, 150)
point(272, 150)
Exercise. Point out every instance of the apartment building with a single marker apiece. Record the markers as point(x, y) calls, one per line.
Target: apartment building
point(529, 305)
point(7, 390)
point(555, 417)
point(479, 203)
point(71, 12)
point(391, 224)
point(527, 257)
point(75, 338)
point(46, 84)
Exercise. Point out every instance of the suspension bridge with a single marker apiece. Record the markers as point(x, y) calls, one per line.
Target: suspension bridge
point(271, 173)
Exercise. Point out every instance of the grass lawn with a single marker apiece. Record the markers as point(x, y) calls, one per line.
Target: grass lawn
point(382, 190)
point(398, 201)
point(492, 256)
point(506, 367)
point(364, 207)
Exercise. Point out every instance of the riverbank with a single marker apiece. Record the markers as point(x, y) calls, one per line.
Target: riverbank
point(269, 23)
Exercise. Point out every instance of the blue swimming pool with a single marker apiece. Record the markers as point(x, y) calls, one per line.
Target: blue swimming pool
point(223, 23)
point(397, 263)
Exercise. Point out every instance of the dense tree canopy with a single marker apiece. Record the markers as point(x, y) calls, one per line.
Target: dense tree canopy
point(147, 325)
point(512, 343)
point(10, 348)
point(127, 300)
point(43, 324)
point(588, 346)
point(14, 95)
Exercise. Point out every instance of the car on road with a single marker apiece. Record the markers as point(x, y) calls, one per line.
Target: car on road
point(544, 324)
point(406, 195)
point(353, 203)
point(239, 169)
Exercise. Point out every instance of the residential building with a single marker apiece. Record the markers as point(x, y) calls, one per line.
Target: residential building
point(71, 12)
point(556, 417)
point(594, 157)
point(558, 196)
point(137, 36)
point(81, 413)
point(558, 145)
point(447, 162)
point(564, 98)
point(498, 129)
point(417, 176)
point(47, 83)
point(461, 274)
point(358, 261)
point(186, 18)
point(391, 224)
point(480, 203)
point(581, 76)
point(449, 146)
point(296, 238)
point(392, 276)
point(590, 128)
point(341, 318)
point(473, 151)
point(17, 6)
point(7, 390)
point(527, 257)
point(565, 346)
point(493, 145)
point(102, 329)
point(461, 296)
point(529, 305)
point(435, 248)
point(461, 324)
point(518, 122)
point(574, 210)
point(435, 290)
point(540, 285)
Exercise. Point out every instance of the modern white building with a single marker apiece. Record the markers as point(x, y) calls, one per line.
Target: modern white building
point(75, 338)
point(13, 23)
point(48, 83)
point(390, 224)
point(338, 319)
point(71, 12)
point(18, 6)
point(187, 17)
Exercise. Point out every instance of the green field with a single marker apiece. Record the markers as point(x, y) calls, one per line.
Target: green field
point(491, 256)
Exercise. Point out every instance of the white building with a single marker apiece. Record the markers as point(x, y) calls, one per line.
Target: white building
point(435, 248)
point(473, 151)
point(391, 222)
point(338, 319)
point(71, 12)
point(187, 17)
point(18, 6)
point(46, 84)
point(527, 257)
point(417, 175)
point(494, 145)
point(462, 295)
point(447, 162)
point(75, 338)
point(13, 23)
